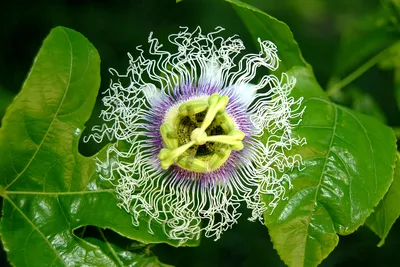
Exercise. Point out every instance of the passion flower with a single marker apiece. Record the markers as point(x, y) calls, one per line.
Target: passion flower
point(196, 134)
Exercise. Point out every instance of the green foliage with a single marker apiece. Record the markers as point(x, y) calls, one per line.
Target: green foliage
point(347, 170)
point(393, 9)
point(366, 104)
point(265, 27)
point(5, 100)
point(397, 86)
point(375, 38)
point(347, 160)
point(363, 39)
point(392, 61)
point(388, 210)
point(360, 101)
point(57, 212)
point(121, 250)
point(49, 189)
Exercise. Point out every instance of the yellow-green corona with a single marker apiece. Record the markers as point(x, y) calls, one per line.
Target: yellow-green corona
point(201, 136)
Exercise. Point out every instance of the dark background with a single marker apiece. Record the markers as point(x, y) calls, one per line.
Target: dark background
point(117, 27)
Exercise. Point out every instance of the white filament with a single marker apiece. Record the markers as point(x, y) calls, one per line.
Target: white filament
point(182, 206)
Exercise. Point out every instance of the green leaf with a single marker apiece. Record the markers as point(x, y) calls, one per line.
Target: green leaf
point(360, 101)
point(359, 42)
point(266, 27)
point(5, 100)
point(392, 61)
point(365, 44)
point(130, 254)
point(309, 87)
point(393, 9)
point(347, 161)
point(388, 210)
point(366, 104)
point(347, 169)
point(49, 189)
point(397, 86)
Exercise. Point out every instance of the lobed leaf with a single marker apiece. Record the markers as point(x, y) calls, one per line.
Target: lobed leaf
point(5, 100)
point(123, 254)
point(266, 27)
point(347, 161)
point(388, 210)
point(347, 169)
point(49, 189)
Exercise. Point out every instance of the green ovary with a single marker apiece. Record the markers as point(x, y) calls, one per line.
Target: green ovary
point(200, 136)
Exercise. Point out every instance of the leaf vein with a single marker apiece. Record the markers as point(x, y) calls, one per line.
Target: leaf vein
point(62, 210)
point(110, 248)
point(350, 182)
point(52, 121)
point(59, 193)
point(369, 143)
point(33, 226)
point(321, 177)
point(25, 245)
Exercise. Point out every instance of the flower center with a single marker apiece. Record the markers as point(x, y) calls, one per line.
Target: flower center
point(200, 136)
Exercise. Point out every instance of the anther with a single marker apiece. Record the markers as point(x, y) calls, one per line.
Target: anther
point(218, 159)
point(191, 113)
point(193, 164)
point(168, 135)
point(172, 135)
point(193, 107)
point(222, 119)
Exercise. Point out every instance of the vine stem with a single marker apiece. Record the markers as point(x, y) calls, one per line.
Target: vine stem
point(358, 72)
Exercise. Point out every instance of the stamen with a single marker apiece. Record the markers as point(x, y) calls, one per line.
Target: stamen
point(225, 122)
point(191, 163)
point(168, 135)
point(195, 106)
point(219, 158)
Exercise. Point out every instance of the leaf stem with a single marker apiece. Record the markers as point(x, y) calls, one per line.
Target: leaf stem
point(358, 72)
point(110, 247)
point(83, 231)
